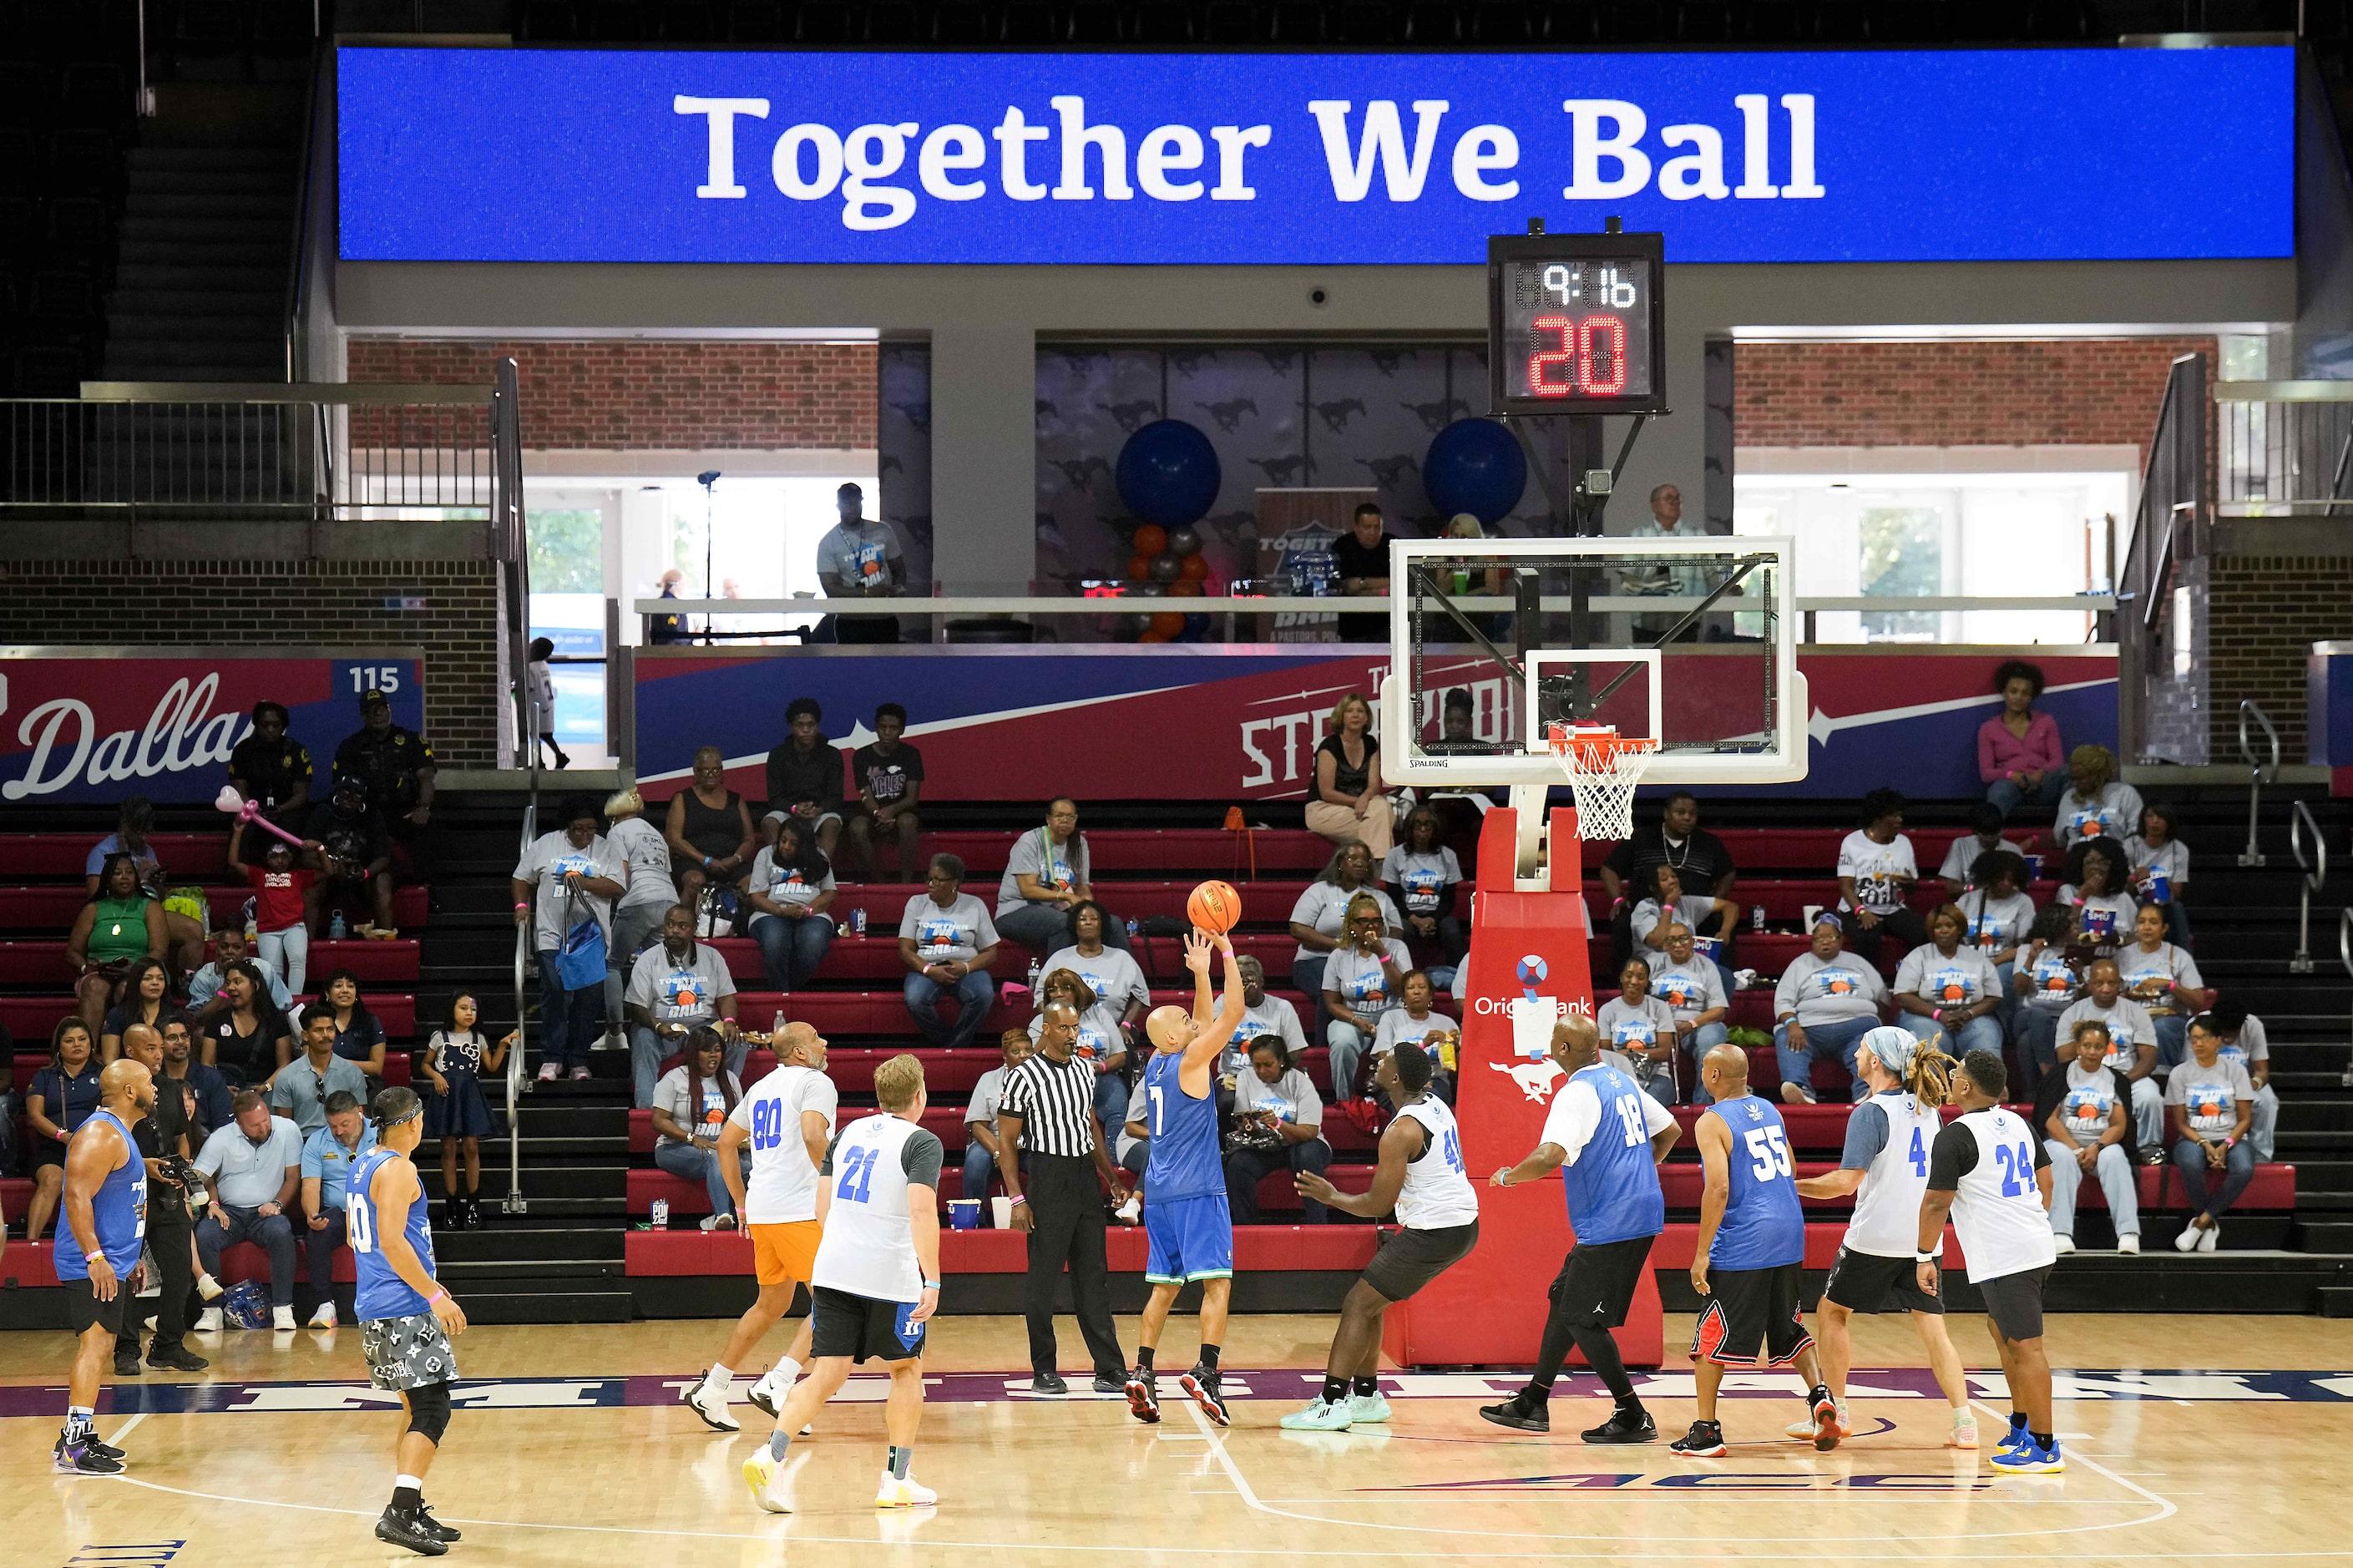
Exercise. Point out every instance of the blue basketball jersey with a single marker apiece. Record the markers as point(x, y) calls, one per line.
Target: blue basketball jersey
point(1613, 1188)
point(1763, 1226)
point(1185, 1161)
point(117, 1211)
point(381, 1292)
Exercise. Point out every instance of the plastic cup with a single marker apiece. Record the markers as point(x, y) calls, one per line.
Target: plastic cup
point(1001, 1211)
point(963, 1214)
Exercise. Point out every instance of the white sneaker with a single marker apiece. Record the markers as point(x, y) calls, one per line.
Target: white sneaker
point(282, 1319)
point(1802, 1429)
point(2128, 1245)
point(2209, 1237)
point(547, 1072)
point(766, 1478)
point(1129, 1212)
point(712, 1406)
point(1964, 1429)
point(2187, 1240)
point(2062, 1245)
point(208, 1321)
point(209, 1288)
point(324, 1318)
point(896, 1493)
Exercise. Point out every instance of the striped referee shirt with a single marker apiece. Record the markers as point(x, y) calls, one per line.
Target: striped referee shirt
point(1056, 1104)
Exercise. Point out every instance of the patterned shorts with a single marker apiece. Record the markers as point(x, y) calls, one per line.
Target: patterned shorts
point(407, 1353)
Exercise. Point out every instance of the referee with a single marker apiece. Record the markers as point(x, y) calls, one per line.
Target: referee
point(1048, 1112)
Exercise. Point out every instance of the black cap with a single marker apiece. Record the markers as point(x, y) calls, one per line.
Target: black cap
point(371, 699)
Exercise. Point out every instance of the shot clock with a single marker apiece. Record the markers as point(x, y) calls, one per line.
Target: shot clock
point(1575, 323)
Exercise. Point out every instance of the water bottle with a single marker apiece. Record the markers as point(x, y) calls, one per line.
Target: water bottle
point(1034, 967)
point(335, 927)
point(1756, 918)
point(1131, 933)
point(857, 922)
point(776, 1029)
point(662, 1213)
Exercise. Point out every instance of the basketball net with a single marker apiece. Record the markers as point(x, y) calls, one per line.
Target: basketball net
point(1603, 771)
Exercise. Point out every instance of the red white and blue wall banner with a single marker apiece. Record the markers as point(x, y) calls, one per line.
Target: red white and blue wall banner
point(1241, 721)
point(98, 723)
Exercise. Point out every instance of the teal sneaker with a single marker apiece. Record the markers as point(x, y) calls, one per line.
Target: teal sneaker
point(1366, 1408)
point(1319, 1417)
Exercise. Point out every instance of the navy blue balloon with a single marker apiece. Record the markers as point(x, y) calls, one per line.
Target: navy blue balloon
point(1476, 466)
point(1168, 474)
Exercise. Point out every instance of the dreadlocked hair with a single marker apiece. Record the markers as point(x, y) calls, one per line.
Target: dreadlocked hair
point(1928, 1077)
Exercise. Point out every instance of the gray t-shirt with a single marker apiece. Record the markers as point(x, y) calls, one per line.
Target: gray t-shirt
point(958, 932)
point(1866, 1135)
point(1422, 878)
point(645, 853)
point(1363, 984)
point(1963, 854)
point(672, 1094)
point(1292, 1098)
point(687, 994)
point(788, 884)
point(1035, 854)
point(2093, 1095)
point(985, 1096)
point(1325, 905)
point(2207, 1096)
point(2172, 858)
point(2129, 1028)
point(1632, 1030)
point(2253, 1044)
point(550, 858)
point(1647, 918)
point(859, 556)
point(1687, 989)
point(1999, 924)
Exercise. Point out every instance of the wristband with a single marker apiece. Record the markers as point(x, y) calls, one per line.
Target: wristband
point(523, 906)
point(437, 1296)
point(931, 1284)
point(1017, 1200)
point(1918, 1256)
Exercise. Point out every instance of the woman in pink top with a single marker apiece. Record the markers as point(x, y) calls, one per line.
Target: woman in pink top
point(2019, 754)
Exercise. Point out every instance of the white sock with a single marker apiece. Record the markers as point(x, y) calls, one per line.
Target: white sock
point(782, 1374)
point(718, 1378)
point(414, 1483)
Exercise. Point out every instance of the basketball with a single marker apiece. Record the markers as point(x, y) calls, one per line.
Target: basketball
point(1213, 906)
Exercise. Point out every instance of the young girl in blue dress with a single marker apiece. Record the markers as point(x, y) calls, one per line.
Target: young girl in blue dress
point(456, 1059)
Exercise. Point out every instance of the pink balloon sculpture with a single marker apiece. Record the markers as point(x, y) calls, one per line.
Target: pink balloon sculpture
point(245, 810)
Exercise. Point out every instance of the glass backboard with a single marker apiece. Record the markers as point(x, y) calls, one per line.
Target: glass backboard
point(1689, 641)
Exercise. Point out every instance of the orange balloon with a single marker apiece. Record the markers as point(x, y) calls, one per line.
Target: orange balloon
point(1139, 568)
point(1150, 540)
point(1184, 590)
point(1195, 567)
point(1167, 623)
point(1153, 636)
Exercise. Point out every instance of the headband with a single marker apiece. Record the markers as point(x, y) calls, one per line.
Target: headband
point(1893, 1046)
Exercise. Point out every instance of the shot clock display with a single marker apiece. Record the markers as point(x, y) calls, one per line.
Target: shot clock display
point(1574, 323)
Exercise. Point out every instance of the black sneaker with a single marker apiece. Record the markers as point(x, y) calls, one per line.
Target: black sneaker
point(1110, 1382)
point(82, 1458)
point(167, 1357)
point(1202, 1385)
point(101, 1448)
point(474, 1220)
point(1143, 1398)
point(408, 1529)
point(434, 1527)
point(1048, 1383)
point(126, 1362)
point(1524, 1411)
point(1826, 1419)
point(1624, 1426)
point(1704, 1441)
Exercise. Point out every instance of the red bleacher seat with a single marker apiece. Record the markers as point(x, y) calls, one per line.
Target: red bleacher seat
point(375, 962)
point(184, 855)
point(54, 907)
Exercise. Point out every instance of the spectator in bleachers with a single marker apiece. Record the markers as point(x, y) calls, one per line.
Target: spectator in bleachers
point(2098, 891)
point(2000, 917)
point(183, 926)
point(1347, 803)
point(1361, 560)
point(1412, 1022)
point(691, 1107)
point(1047, 874)
point(676, 986)
point(255, 1165)
point(1638, 1032)
point(359, 1034)
point(1827, 1000)
point(1262, 1014)
point(981, 1149)
point(1102, 1043)
point(1317, 916)
point(327, 1156)
point(948, 942)
point(1669, 904)
point(2161, 866)
point(229, 948)
point(1876, 872)
point(1693, 988)
point(2211, 1104)
point(2084, 1111)
point(1676, 840)
point(647, 891)
point(456, 1058)
point(2245, 1041)
point(2048, 981)
point(2132, 1048)
point(247, 1038)
point(59, 1100)
point(299, 1091)
point(1983, 838)
point(564, 885)
point(271, 767)
point(355, 851)
point(859, 558)
point(117, 927)
point(790, 888)
point(1119, 985)
point(804, 776)
point(709, 829)
point(1365, 975)
point(397, 767)
point(2165, 981)
point(1421, 876)
point(2018, 748)
point(888, 774)
point(285, 901)
point(204, 1084)
point(146, 997)
point(1946, 986)
point(2097, 803)
point(1277, 1124)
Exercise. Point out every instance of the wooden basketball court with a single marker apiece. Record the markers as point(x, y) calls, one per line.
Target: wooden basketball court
point(569, 1447)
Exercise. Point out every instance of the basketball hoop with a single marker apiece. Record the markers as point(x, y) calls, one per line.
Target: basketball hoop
point(1603, 771)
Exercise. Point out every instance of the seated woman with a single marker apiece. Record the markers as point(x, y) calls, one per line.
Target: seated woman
point(947, 943)
point(790, 888)
point(1317, 918)
point(1278, 1125)
point(1118, 985)
point(2165, 981)
point(1048, 873)
point(709, 831)
point(248, 1039)
point(146, 997)
point(2018, 758)
point(2000, 917)
point(1101, 1043)
point(1693, 990)
point(2084, 1111)
point(2161, 866)
point(691, 1104)
point(60, 1099)
point(2048, 981)
point(1668, 905)
point(1412, 1022)
point(184, 917)
point(1638, 1032)
point(1983, 838)
point(1345, 802)
point(2097, 895)
point(359, 1035)
point(2246, 1042)
point(2097, 805)
point(1945, 986)
point(2210, 1104)
point(1876, 871)
point(118, 926)
point(1421, 876)
point(1364, 976)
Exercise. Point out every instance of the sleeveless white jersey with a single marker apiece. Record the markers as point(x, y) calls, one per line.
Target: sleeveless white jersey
point(1437, 1195)
point(1998, 1214)
point(1887, 1220)
point(781, 1186)
point(867, 1249)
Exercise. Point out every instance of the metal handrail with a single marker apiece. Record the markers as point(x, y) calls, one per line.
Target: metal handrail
point(2344, 957)
point(2259, 774)
point(2315, 873)
point(511, 549)
point(516, 1081)
point(298, 269)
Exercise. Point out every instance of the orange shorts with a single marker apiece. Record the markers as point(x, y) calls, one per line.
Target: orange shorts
point(785, 1254)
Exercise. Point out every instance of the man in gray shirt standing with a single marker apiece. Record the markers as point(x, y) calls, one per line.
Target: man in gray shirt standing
point(859, 558)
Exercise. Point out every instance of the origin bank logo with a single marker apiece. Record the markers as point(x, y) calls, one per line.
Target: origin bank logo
point(1532, 975)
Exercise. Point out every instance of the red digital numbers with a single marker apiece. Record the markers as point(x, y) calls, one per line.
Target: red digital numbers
point(1582, 357)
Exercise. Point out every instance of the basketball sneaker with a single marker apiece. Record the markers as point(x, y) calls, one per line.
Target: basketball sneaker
point(1704, 1441)
point(1829, 1420)
point(1624, 1426)
point(1144, 1396)
point(435, 1528)
point(324, 1318)
point(712, 1406)
point(1202, 1385)
point(908, 1494)
point(398, 1528)
point(1319, 1417)
point(1964, 1429)
point(1526, 1411)
point(1367, 1408)
point(2015, 1437)
point(2030, 1458)
point(83, 1458)
point(766, 1478)
point(1803, 1428)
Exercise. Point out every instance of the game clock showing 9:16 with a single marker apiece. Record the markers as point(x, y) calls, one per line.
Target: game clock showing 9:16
point(1574, 323)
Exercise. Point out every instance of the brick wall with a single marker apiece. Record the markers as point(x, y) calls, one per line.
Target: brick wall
point(2048, 392)
point(659, 394)
point(2263, 614)
point(75, 602)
